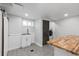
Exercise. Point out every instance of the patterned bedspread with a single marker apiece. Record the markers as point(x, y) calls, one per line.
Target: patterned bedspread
point(67, 42)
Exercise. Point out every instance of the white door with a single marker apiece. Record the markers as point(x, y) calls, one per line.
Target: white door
point(0, 38)
point(5, 36)
point(0, 32)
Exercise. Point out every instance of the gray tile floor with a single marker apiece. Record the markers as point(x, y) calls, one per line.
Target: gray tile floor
point(38, 51)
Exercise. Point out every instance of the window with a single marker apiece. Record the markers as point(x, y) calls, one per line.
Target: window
point(28, 23)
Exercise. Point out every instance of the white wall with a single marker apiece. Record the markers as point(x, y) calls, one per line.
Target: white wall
point(38, 33)
point(68, 26)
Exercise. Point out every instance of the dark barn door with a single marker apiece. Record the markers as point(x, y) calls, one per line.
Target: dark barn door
point(45, 31)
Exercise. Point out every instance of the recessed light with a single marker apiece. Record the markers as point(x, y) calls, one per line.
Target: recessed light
point(66, 14)
point(26, 14)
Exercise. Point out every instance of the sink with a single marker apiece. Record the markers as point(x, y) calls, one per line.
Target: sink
point(26, 34)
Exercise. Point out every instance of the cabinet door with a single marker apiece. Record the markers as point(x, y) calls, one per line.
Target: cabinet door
point(26, 40)
point(29, 40)
point(14, 41)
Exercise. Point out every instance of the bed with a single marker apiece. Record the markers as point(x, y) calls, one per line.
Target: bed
point(68, 44)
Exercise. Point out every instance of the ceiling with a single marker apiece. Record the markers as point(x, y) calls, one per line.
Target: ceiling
point(54, 11)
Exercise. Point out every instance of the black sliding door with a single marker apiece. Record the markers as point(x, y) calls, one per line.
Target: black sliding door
point(45, 31)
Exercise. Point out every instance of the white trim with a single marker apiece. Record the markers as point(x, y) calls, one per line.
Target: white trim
point(39, 44)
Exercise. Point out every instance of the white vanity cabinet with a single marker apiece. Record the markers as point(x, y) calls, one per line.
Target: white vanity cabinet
point(26, 40)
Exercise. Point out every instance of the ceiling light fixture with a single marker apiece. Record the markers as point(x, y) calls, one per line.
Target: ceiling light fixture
point(26, 14)
point(66, 14)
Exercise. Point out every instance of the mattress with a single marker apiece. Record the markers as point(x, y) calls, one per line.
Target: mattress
point(68, 42)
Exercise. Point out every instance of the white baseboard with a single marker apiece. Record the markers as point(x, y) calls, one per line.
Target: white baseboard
point(39, 44)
